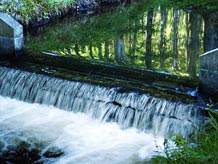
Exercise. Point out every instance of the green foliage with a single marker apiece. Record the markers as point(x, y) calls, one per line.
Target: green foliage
point(42, 8)
point(208, 4)
point(30, 9)
point(94, 30)
point(128, 23)
point(203, 151)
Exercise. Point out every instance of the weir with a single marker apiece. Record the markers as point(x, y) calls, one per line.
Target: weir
point(128, 109)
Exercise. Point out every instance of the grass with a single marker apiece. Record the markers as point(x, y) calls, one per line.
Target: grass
point(25, 10)
point(203, 151)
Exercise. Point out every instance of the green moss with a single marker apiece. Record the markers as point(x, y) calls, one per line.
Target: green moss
point(29, 9)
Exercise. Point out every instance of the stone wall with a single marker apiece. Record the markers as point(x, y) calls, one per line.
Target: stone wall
point(11, 36)
point(209, 73)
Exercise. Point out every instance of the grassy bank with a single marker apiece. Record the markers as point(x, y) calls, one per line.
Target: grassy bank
point(37, 10)
point(28, 10)
point(204, 149)
point(200, 149)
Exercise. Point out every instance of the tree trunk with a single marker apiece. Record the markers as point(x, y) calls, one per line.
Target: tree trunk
point(106, 51)
point(100, 52)
point(194, 46)
point(148, 53)
point(210, 31)
point(133, 44)
point(121, 49)
point(162, 45)
point(91, 52)
point(130, 45)
point(187, 28)
point(76, 49)
point(116, 56)
point(120, 55)
point(175, 38)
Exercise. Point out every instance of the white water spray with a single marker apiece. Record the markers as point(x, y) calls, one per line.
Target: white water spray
point(81, 139)
point(81, 123)
point(128, 109)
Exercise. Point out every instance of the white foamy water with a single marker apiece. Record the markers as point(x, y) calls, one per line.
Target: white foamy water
point(81, 139)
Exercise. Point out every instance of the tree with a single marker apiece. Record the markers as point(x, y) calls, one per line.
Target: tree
point(76, 49)
point(133, 43)
point(210, 30)
point(187, 29)
point(91, 51)
point(175, 38)
point(194, 45)
point(162, 45)
point(148, 49)
point(106, 51)
point(120, 55)
point(100, 51)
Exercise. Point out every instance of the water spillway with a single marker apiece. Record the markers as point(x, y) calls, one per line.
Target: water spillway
point(107, 104)
point(138, 113)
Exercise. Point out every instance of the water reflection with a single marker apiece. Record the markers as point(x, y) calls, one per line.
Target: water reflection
point(157, 39)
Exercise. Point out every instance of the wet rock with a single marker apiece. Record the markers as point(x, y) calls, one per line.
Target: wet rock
point(12, 140)
point(53, 152)
point(132, 108)
point(115, 103)
point(20, 154)
point(48, 71)
point(1, 145)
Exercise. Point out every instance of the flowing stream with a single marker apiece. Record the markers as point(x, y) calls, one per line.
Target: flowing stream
point(96, 124)
point(82, 139)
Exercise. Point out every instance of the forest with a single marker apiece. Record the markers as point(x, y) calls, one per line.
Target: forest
point(168, 38)
point(164, 35)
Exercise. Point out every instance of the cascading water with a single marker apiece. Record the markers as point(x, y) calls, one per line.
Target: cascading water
point(86, 140)
point(107, 104)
